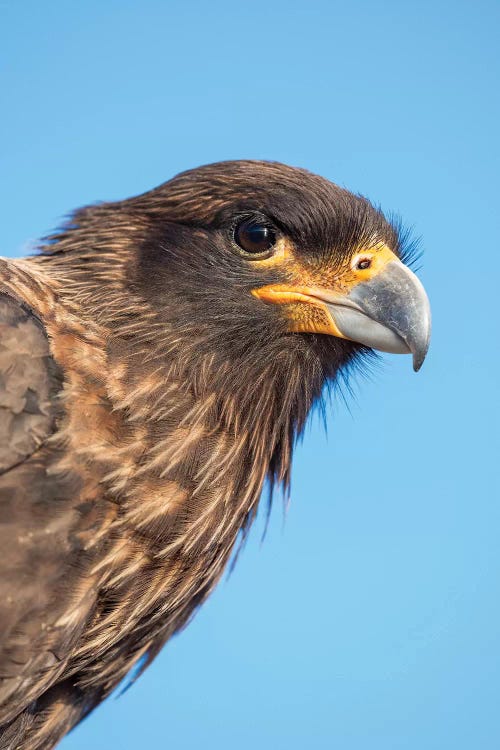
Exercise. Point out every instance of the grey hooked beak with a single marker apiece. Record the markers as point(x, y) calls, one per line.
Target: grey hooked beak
point(390, 312)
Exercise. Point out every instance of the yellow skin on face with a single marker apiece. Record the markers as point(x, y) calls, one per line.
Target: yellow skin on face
point(306, 312)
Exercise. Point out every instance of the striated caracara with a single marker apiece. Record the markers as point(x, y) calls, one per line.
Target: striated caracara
point(158, 359)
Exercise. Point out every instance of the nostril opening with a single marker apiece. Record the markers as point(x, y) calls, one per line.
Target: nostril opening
point(363, 264)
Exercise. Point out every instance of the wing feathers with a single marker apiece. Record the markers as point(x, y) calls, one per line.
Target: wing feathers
point(28, 383)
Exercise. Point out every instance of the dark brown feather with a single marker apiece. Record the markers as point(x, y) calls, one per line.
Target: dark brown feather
point(153, 400)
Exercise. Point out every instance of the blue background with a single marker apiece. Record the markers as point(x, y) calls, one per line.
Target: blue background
point(370, 618)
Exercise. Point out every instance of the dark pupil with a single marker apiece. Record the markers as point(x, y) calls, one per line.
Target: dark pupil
point(254, 238)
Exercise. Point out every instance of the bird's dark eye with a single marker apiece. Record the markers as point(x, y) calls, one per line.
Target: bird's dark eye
point(254, 237)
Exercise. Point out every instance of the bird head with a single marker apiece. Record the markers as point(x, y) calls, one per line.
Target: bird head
point(250, 265)
point(251, 283)
point(250, 252)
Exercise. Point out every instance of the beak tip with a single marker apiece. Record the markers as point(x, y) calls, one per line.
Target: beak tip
point(417, 362)
point(419, 355)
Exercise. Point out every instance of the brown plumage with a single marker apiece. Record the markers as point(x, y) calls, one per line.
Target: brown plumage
point(146, 393)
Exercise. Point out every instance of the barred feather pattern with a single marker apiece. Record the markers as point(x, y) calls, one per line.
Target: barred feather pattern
point(178, 402)
point(171, 473)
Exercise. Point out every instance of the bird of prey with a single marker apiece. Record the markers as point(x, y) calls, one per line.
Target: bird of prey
point(158, 359)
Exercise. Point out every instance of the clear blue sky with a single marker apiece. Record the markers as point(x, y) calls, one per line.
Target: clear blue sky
point(370, 620)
